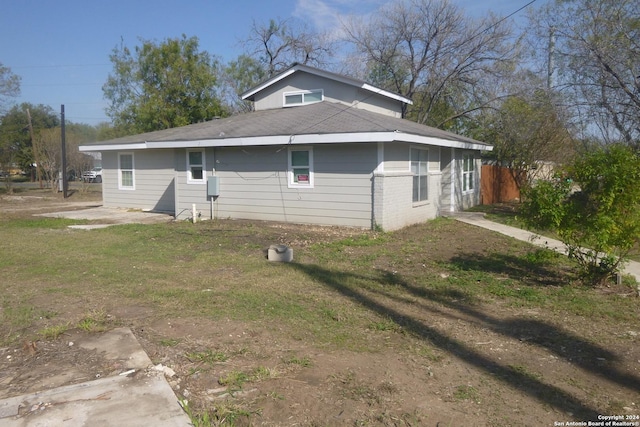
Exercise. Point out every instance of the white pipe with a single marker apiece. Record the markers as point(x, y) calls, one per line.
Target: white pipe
point(193, 213)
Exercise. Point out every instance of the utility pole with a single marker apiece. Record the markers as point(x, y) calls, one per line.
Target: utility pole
point(35, 148)
point(551, 59)
point(64, 153)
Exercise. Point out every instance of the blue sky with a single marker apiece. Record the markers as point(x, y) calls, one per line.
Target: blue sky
point(61, 48)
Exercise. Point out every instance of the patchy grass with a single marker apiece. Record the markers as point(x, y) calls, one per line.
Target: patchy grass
point(53, 332)
point(43, 223)
point(421, 294)
point(169, 342)
point(223, 414)
point(207, 356)
point(95, 321)
point(466, 392)
point(234, 379)
point(218, 270)
point(304, 362)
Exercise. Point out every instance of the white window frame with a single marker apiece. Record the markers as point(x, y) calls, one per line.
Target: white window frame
point(303, 93)
point(121, 186)
point(426, 151)
point(190, 179)
point(290, 168)
point(468, 176)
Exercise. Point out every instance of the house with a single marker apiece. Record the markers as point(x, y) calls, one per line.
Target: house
point(320, 148)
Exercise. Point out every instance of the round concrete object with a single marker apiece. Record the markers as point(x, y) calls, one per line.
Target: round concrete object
point(280, 253)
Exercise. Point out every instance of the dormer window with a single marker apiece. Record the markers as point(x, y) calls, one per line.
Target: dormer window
point(292, 99)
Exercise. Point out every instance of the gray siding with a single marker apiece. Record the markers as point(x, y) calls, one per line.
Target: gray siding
point(253, 185)
point(272, 97)
point(446, 165)
point(153, 179)
point(393, 189)
point(187, 194)
point(397, 157)
point(451, 165)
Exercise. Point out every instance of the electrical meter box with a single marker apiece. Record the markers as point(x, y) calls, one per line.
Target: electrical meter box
point(213, 186)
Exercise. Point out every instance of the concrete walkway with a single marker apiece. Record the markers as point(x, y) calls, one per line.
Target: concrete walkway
point(139, 396)
point(478, 219)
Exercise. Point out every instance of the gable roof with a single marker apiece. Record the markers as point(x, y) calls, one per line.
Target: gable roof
point(250, 94)
point(320, 123)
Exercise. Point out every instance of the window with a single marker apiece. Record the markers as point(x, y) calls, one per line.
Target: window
point(468, 167)
point(301, 98)
point(301, 167)
point(126, 172)
point(195, 166)
point(420, 170)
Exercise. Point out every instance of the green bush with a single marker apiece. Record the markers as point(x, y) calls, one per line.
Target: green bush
point(594, 207)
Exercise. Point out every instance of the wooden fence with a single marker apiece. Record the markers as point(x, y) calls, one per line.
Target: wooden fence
point(497, 185)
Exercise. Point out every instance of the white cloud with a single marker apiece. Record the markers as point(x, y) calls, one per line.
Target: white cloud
point(328, 14)
point(318, 12)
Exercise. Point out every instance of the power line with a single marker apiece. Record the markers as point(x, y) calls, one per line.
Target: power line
point(495, 24)
point(61, 84)
point(60, 66)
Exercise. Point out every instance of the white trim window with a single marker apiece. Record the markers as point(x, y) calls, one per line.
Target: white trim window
point(302, 97)
point(126, 172)
point(300, 168)
point(196, 166)
point(468, 173)
point(420, 170)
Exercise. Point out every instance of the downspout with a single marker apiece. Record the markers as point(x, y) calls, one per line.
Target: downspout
point(213, 173)
point(377, 203)
point(453, 180)
point(176, 196)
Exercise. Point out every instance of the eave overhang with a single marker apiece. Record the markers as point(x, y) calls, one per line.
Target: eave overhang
point(307, 139)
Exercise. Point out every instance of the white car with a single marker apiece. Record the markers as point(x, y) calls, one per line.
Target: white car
point(94, 175)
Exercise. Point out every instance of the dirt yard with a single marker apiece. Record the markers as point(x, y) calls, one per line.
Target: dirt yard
point(432, 359)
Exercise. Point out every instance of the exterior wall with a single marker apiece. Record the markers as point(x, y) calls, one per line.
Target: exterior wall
point(187, 194)
point(448, 183)
point(471, 199)
point(397, 157)
point(393, 206)
point(272, 97)
point(452, 170)
point(253, 185)
point(154, 173)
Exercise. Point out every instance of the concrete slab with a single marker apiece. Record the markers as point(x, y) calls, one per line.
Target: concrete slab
point(119, 344)
point(140, 395)
point(111, 216)
point(142, 399)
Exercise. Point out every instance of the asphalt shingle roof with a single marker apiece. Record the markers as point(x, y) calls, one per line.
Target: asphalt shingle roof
point(319, 118)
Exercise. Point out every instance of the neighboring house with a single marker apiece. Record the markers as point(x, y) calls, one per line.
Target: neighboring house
point(320, 148)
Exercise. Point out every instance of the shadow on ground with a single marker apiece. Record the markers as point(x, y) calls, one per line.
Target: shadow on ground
point(560, 342)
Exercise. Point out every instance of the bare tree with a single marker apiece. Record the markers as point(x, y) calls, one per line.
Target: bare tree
point(283, 42)
point(9, 86)
point(597, 52)
point(238, 76)
point(530, 136)
point(427, 50)
point(49, 149)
